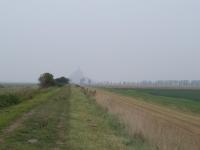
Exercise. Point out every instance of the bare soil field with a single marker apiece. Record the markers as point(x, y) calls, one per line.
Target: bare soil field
point(167, 128)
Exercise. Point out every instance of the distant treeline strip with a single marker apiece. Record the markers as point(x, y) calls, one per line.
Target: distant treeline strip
point(195, 84)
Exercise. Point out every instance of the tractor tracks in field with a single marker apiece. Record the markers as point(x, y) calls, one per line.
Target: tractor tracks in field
point(185, 121)
point(169, 129)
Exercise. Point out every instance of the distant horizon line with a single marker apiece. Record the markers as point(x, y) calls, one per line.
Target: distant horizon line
point(35, 82)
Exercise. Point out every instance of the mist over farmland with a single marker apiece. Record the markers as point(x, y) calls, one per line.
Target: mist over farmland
point(100, 75)
point(109, 40)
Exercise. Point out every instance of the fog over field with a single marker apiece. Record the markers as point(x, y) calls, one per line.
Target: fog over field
point(113, 40)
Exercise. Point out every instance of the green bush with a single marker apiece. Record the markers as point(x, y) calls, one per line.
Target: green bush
point(46, 80)
point(8, 100)
point(61, 81)
point(16, 96)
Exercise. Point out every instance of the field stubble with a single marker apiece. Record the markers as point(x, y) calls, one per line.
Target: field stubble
point(168, 129)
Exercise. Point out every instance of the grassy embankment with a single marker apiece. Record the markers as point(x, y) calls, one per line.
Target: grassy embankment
point(184, 100)
point(94, 128)
point(14, 95)
point(71, 122)
point(24, 100)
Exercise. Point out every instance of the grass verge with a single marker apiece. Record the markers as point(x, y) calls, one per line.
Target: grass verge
point(40, 130)
point(73, 122)
point(7, 115)
point(91, 127)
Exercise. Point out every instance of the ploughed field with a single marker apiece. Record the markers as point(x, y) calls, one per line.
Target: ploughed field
point(60, 118)
point(168, 118)
point(180, 99)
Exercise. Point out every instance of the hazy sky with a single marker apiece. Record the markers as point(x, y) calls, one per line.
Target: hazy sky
point(118, 40)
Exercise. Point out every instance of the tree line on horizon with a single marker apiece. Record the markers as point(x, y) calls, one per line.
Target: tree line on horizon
point(155, 84)
point(47, 80)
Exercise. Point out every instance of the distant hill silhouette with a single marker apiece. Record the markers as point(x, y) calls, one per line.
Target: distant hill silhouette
point(78, 77)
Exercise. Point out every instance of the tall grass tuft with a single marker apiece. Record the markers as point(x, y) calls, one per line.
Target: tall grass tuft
point(13, 96)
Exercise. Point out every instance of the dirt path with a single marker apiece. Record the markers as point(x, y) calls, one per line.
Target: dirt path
point(16, 124)
point(26, 110)
point(169, 128)
point(40, 128)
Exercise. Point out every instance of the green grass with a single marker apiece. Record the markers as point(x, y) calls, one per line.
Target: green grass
point(71, 121)
point(15, 95)
point(193, 95)
point(8, 100)
point(7, 115)
point(183, 100)
point(93, 128)
point(41, 126)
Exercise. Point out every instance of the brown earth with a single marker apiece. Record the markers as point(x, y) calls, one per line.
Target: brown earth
point(168, 129)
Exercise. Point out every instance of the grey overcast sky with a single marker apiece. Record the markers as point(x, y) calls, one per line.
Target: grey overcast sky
point(115, 40)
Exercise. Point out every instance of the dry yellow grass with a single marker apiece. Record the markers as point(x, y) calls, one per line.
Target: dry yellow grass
point(168, 129)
